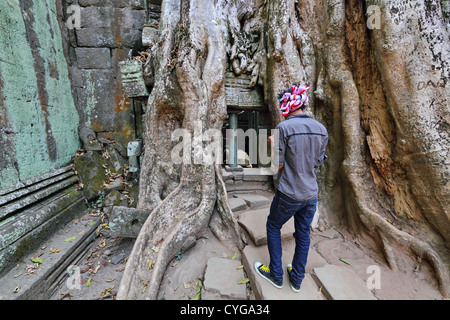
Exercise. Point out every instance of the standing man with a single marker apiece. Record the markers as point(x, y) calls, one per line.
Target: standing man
point(302, 143)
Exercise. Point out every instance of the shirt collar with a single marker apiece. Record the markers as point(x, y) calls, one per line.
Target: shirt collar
point(301, 115)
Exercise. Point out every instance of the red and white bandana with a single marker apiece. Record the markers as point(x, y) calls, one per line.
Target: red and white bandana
point(291, 101)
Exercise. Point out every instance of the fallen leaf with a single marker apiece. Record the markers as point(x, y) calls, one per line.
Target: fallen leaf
point(341, 259)
point(70, 239)
point(18, 275)
point(17, 289)
point(110, 280)
point(155, 249)
point(54, 251)
point(145, 283)
point(199, 290)
point(102, 243)
point(66, 295)
point(150, 265)
point(107, 291)
point(240, 267)
point(186, 285)
point(96, 269)
point(30, 268)
point(234, 256)
point(36, 260)
point(85, 270)
point(88, 283)
point(243, 281)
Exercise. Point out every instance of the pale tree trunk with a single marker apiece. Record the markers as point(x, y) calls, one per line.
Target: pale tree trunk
point(188, 94)
point(394, 137)
point(381, 92)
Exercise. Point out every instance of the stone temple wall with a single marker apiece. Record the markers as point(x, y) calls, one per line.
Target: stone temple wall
point(56, 79)
point(38, 115)
point(109, 32)
point(61, 90)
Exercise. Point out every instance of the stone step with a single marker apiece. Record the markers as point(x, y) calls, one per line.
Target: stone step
point(253, 200)
point(237, 204)
point(16, 284)
point(22, 231)
point(254, 222)
point(342, 283)
point(221, 280)
point(265, 291)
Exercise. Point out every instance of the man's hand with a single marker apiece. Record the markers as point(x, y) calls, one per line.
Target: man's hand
point(271, 141)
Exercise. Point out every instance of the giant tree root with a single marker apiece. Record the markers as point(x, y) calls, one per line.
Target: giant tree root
point(166, 229)
point(163, 234)
point(354, 166)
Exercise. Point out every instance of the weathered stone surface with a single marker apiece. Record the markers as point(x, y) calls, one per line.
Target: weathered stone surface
point(133, 79)
point(93, 58)
point(137, 4)
point(88, 138)
point(91, 173)
point(149, 36)
point(38, 117)
point(253, 200)
point(238, 93)
point(134, 150)
point(221, 280)
point(114, 198)
point(341, 283)
point(38, 286)
point(115, 161)
point(106, 37)
point(264, 290)
point(237, 204)
point(111, 115)
point(254, 222)
point(127, 222)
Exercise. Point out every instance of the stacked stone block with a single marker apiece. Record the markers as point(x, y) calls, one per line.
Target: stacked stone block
point(109, 32)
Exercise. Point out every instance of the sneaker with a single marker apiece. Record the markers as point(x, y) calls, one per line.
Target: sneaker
point(293, 286)
point(264, 272)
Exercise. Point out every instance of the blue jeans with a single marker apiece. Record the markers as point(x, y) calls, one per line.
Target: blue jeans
point(281, 210)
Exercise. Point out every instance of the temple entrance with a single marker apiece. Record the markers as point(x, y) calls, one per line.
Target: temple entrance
point(247, 127)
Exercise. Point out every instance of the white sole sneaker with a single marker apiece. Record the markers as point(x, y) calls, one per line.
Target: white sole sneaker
point(289, 266)
point(266, 275)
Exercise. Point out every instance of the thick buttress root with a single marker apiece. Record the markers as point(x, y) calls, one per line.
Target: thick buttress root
point(354, 166)
point(163, 234)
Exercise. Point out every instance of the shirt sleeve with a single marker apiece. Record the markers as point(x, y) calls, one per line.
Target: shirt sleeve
point(322, 156)
point(279, 147)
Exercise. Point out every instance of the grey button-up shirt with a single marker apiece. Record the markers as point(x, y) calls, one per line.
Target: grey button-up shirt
point(302, 143)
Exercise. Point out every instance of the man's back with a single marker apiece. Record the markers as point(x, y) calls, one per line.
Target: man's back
point(302, 143)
